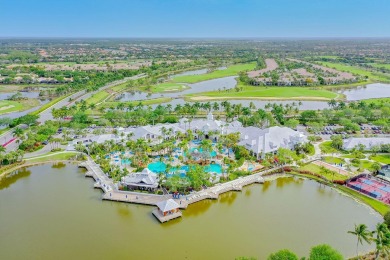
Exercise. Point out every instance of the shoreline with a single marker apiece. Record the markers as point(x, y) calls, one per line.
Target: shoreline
point(266, 178)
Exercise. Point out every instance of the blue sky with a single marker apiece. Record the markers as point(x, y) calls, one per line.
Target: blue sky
point(195, 18)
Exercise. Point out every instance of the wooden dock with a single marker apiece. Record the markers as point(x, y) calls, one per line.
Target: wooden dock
point(102, 181)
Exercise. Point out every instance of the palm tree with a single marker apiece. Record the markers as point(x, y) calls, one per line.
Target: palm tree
point(382, 239)
point(363, 234)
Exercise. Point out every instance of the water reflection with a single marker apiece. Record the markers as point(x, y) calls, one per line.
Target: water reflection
point(13, 177)
point(198, 208)
point(58, 165)
point(377, 90)
point(228, 197)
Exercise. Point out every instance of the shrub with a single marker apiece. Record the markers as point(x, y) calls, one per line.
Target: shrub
point(387, 218)
point(324, 252)
point(283, 255)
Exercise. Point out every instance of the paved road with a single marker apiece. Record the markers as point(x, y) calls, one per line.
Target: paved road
point(78, 96)
point(46, 114)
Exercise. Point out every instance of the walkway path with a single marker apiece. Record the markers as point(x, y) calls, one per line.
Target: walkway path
point(112, 193)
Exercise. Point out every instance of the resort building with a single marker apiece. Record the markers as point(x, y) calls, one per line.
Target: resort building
point(256, 140)
point(368, 143)
point(269, 140)
point(145, 180)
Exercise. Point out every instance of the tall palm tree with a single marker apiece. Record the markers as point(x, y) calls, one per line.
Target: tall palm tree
point(382, 239)
point(363, 234)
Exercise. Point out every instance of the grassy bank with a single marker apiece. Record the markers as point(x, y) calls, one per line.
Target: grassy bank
point(376, 76)
point(378, 206)
point(51, 103)
point(60, 156)
point(232, 70)
point(168, 87)
point(9, 106)
point(381, 158)
point(266, 93)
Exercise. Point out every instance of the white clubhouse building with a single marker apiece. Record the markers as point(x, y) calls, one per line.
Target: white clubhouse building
point(256, 140)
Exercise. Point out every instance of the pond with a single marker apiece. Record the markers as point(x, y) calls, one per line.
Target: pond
point(196, 72)
point(5, 95)
point(377, 90)
point(208, 85)
point(52, 210)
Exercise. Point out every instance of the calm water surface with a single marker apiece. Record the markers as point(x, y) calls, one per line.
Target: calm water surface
point(377, 90)
point(53, 212)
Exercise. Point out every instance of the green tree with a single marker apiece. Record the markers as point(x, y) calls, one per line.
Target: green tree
point(381, 239)
point(324, 252)
point(283, 255)
point(362, 234)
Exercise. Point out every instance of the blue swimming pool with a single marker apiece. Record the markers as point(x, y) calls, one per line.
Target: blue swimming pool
point(158, 167)
point(126, 161)
point(213, 168)
point(212, 153)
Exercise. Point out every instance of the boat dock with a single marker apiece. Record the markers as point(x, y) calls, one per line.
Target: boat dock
point(103, 182)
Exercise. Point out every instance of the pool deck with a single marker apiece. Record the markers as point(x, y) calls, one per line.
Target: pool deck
point(113, 194)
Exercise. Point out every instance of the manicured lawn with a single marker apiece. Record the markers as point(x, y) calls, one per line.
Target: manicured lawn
point(168, 87)
point(381, 158)
point(232, 70)
point(364, 164)
point(326, 147)
point(51, 103)
point(333, 160)
point(317, 169)
point(377, 101)
point(356, 70)
point(269, 93)
point(8, 106)
point(380, 65)
point(98, 97)
point(52, 157)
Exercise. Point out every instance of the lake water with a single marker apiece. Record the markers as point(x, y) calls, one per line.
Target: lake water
point(377, 90)
point(5, 95)
point(53, 212)
point(195, 72)
point(208, 85)
point(212, 85)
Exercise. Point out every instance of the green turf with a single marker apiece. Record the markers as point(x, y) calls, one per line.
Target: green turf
point(168, 87)
point(317, 169)
point(269, 93)
point(381, 158)
point(380, 65)
point(98, 97)
point(52, 157)
point(359, 71)
point(326, 147)
point(8, 106)
point(232, 70)
point(333, 160)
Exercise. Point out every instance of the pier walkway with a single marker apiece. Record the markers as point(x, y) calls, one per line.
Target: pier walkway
point(113, 194)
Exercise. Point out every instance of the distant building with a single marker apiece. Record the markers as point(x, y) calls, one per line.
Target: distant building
point(255, 139)
point(368, 143)
point(145, 180)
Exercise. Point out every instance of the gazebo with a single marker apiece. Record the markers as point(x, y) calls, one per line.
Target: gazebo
point(167, 210)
